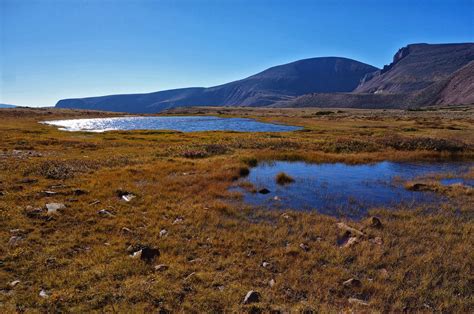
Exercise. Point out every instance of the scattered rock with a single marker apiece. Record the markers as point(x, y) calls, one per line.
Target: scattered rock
point(304, 247)
point(375, 222)
point(350, 242)
point(384, 274)
point(266, 264)
point(49, 193)
point(276, 198)
point(163, 233)
point(376, 240)
point(251, 297)
point(15, 241)
point(285, 216)
point(345, 227)
point(357, 301)
point(264, 191)
point(161, 267)
point(44, 294)
point(17, 231)
point(54, 207)
point(134, 248)
point(271, 282)
point(105, 213)
point(79, 192)
point(126, 196)
point(178, 220)
point(14, 283)
point(126, 230)
point(353, 282)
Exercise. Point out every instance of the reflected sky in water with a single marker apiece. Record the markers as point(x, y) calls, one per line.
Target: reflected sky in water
point(344, 190)
point(177, 123)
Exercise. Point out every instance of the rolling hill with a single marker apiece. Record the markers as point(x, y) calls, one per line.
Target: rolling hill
point(275, 84)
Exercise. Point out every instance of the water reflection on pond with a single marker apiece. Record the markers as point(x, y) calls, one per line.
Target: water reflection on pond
point(178, 123)
point(345, 190)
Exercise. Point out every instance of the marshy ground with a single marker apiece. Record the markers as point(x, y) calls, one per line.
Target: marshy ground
point(213, 248)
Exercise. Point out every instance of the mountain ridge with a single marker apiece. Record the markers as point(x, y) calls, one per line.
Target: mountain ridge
point(282, 82)
point(420, 74)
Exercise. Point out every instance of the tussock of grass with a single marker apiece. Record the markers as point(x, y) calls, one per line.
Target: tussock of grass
point(282, 178)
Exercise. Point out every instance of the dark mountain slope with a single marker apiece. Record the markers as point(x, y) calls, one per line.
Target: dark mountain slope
point(325, 75)
point(459, 89)
point(416, 67)
point(420, 75)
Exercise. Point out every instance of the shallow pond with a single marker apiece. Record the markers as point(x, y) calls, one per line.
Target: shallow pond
point(344, 190)
point(178, 123)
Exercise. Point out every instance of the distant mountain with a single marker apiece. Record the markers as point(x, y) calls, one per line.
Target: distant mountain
point(2, 106)
point(322, 75)
point(420, 75)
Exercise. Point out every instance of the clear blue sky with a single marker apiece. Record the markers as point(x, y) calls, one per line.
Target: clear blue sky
point(76, 48)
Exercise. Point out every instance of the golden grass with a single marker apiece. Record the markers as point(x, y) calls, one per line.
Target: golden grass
point(214, 245)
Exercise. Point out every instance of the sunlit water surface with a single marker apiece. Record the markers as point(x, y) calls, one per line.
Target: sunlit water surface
point(346, 190)
point(177, 123)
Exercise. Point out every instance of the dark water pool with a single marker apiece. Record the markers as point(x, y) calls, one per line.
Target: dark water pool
point(344, 190)
point(178, 123)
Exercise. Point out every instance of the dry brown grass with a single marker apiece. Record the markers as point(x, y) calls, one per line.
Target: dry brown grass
point(215, 246)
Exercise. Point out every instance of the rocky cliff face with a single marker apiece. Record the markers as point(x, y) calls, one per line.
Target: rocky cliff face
point(416, 67)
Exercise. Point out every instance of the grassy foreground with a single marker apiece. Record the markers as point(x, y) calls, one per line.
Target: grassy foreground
point(213, 248)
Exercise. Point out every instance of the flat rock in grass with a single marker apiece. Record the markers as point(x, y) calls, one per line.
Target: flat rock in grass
point(128, 197)
point(14, 283)
point(49, 193)
point(353, 282)
point(44, 294)
point(356, 301)
point(304, 247)
point(126, 230)
point(163, 233)
point(15, 240)
point(161, 267)
point(345, 227)
point(376, 240)
point(105, 213)
point(271, 282)
point(124, 195)
point(252, 297)
point(54, 207)
point(350, 242)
